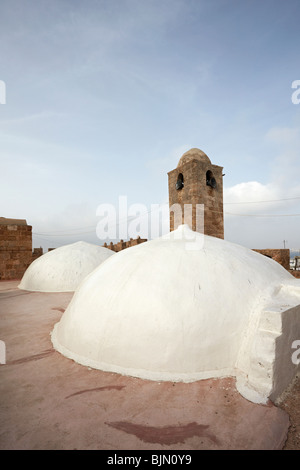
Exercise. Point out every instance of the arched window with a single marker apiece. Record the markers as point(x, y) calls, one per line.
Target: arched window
point(180, 183)
point(210, 180)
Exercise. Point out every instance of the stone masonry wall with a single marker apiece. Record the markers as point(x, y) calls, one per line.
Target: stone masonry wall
point(37, 252)
point(196, 191)
point(295, 273)
point(15, 248)
point(282, 256)
point(121, 245)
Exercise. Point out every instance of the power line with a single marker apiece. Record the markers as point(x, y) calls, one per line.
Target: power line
point(262, 202)
point(263, 215)
point(61, 234)
point(68, 232)
point(42, 238)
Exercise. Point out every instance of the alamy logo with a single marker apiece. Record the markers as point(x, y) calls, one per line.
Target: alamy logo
point(296, 94)
point(2, 352)
point(137, 221)
point(2, 92)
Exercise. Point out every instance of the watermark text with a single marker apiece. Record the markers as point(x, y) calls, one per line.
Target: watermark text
point(296, 94)
point(296, 354)
point(2, 352)
point(2, 92)
point(135, 220)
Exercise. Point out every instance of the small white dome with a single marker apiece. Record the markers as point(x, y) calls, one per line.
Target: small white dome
point(182, 307)
point(62, 269)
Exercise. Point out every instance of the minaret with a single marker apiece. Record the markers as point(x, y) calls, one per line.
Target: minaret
point(196, 181)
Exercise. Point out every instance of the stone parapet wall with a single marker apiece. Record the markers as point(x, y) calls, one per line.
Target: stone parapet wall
point(121, 245)
point(15, 248)
point(37, 252)
point(295, 273)
point(282, 256)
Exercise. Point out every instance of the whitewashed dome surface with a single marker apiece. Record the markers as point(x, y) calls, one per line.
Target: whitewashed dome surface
point(63, 269)
point(182, 310)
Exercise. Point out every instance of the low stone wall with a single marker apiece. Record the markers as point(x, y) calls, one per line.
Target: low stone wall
point(37, 252)
point(15, 248)
point(121, 245)
point(282, 256)
point(295, 273)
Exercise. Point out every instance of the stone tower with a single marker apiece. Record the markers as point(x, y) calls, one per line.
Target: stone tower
point(196, 181)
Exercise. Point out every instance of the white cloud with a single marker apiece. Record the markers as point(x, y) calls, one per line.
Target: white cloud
point(256, 198)
point(265, 213)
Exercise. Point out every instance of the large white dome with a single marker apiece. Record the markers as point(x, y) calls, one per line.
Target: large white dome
point(62, 269)
point(182, 307)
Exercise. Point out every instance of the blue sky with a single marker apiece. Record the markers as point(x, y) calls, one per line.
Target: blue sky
point(103, 98)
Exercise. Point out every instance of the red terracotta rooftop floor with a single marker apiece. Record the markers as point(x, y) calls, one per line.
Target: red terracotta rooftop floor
point(50, 402)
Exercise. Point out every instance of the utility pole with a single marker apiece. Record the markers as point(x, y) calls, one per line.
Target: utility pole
point(284, 242)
